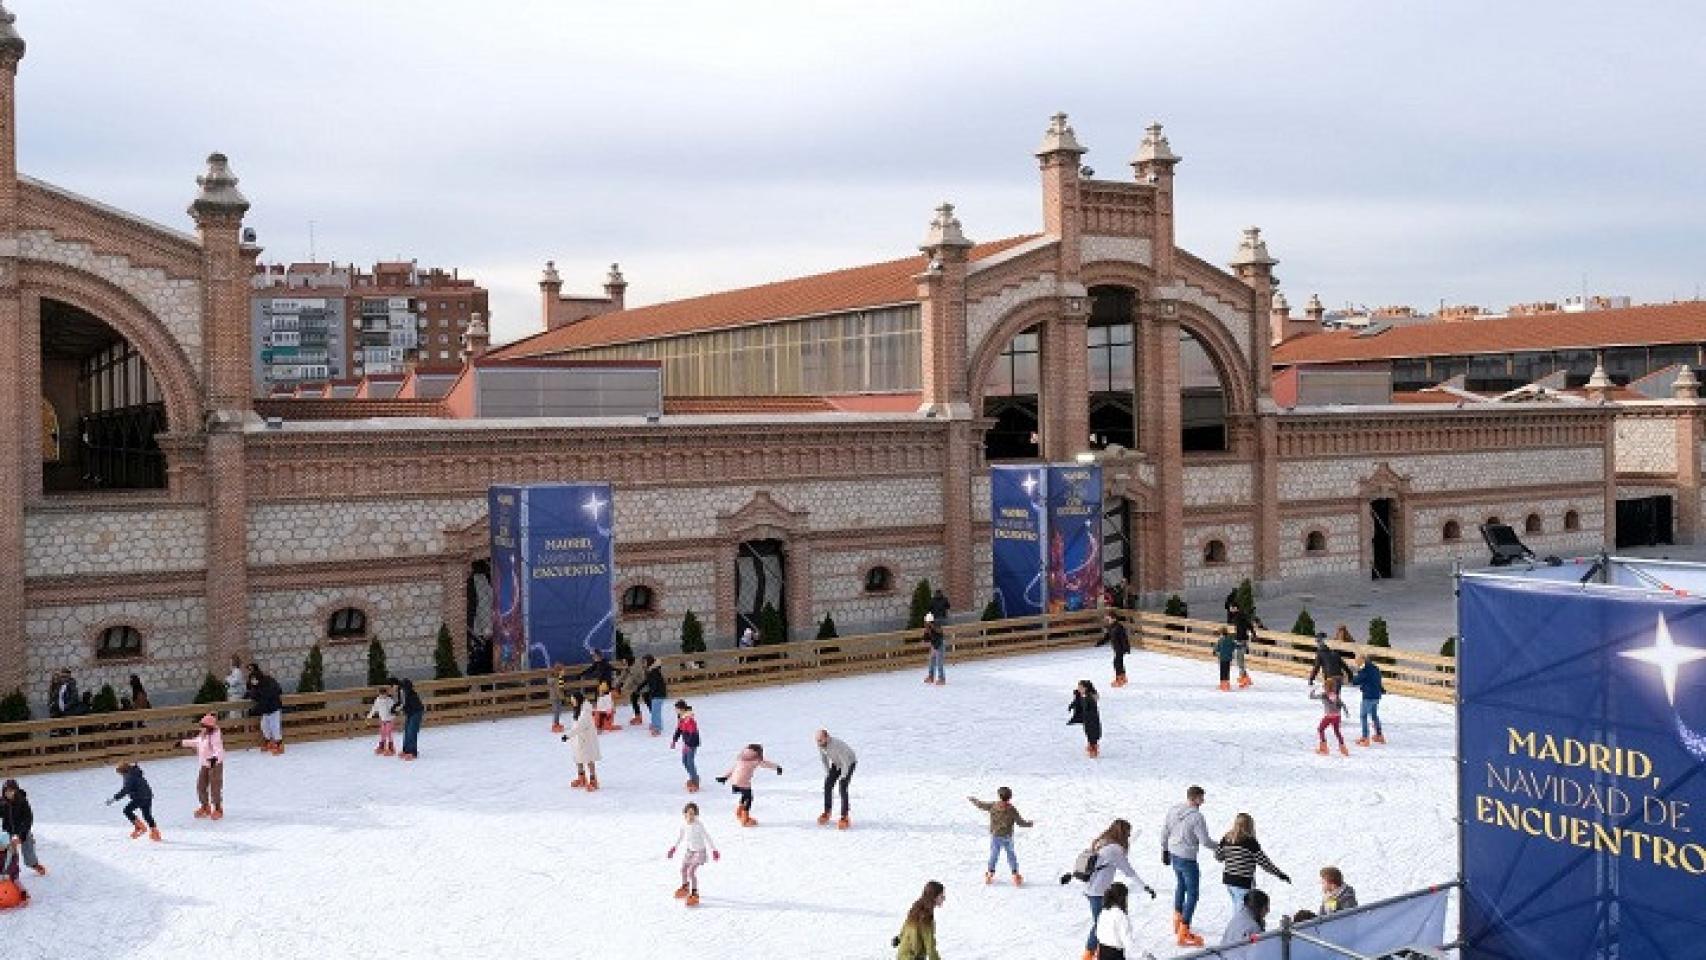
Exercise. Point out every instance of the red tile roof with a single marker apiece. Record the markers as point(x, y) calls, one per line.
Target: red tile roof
point(872, 285)
point(1657, 323)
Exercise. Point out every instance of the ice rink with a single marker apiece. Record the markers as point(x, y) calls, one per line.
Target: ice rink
point(482, 849)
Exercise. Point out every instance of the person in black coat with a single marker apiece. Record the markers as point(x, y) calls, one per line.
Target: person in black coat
point(1083, 711)
point(414, 712)
point(599, 671)
point(17, 821)
point(656, 693)
point(141, 801)
point(1328, 663)
point(1114, 635)
point(268, 698)
point(939, 605)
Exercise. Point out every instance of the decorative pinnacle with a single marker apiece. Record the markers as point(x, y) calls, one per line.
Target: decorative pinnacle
point(1280, 305)
point(1059, 138)
point(614, 277)
point(1154, 148)
point(11, 43)
point(550, 275)
point(944, 230)
point(1600, 380)
point(1314, 305)
point(219, 193)
point(1686, 386)
point(1253, 250)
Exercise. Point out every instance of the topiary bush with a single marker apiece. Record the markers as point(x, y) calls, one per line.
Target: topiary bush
point(826, 629)
point(624, 649)
point(771, 629)
point(1247, 597)
point(1304, 626)
point(376, 672)
point(1176, 607)
point(444, 656)
point(992, 610)
point(14, 707)
point(106, 701)
point(1377, 637)
point(692, 634)
point(921, 596)
point(313, 677)
point(212, 690)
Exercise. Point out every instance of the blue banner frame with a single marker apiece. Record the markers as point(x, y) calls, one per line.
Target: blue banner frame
point(1582, 779)
point(1045, 537)
point(553, 569)
point(1075, 537)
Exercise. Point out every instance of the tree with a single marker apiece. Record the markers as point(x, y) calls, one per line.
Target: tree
point(624, 649)
point(826, 630)
point(992, 610)
point(692, 634)
point(1377, 638)
point(771, 629)
point(1448, 648)
point(1176, 607)
point(444, 656)
point(1246, 597)
point(313, 678)
point(921, 595)
point(1305, 624)
point(212, 690)
point(376, 672)
point(106, 701)
point(14, 707)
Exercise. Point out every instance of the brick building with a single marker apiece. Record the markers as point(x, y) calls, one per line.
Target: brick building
point(855, 464)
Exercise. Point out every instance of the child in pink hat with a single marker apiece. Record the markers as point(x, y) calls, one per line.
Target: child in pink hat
point(209, 747)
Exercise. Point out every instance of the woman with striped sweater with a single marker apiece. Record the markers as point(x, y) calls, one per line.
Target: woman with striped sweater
point(1242, 854)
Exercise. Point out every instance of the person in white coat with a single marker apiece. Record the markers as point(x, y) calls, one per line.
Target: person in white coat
point(583, 736)
point(384, 710)
point(236, 685)
point(1114, 935)
point(696, 841)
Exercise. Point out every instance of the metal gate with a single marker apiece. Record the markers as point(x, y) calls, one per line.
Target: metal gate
point(760, 576)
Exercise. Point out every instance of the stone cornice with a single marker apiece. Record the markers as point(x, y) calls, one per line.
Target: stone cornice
point(1366, 432)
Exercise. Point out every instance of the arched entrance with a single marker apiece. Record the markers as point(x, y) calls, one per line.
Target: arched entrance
point(100, 396)
point(761, 580)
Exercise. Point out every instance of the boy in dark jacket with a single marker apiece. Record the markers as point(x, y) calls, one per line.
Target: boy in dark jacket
point(1002, 818)
point(1114, 635)
point(1083, 710)
point(17, 821)
point(141, 800)
point(656, 693)
point(1224, 647)
point(1369, 681)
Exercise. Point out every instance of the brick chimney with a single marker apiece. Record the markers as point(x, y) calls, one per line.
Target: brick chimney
point(550, 291)
point(615, 287)
point(477, 340)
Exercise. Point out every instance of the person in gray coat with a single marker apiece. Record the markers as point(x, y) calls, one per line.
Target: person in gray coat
point(1249, 922)
point(839, 760)
point(1183, 834)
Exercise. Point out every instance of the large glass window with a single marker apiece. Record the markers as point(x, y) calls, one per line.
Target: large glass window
point(1010, 399)
point(1202, 401)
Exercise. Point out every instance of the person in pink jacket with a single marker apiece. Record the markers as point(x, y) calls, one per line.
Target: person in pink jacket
point(739, 779)
point(209, 747)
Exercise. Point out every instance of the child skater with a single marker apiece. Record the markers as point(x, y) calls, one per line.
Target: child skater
point(1083, 710)
point(739, 779)
point(1224, 648)
point(1332, 710)
point(1002, 818)
point(141, 800)
point(605, 712)
point(687, 736)
point(385, 711)
point(1373, 688)
point(209, 747)
point(554, 687)
point(697, 842)
point(583, 736)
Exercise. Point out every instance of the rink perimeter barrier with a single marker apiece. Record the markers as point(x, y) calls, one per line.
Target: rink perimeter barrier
point(1408, 925)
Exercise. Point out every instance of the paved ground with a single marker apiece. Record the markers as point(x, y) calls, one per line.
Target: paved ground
point(1419, 609)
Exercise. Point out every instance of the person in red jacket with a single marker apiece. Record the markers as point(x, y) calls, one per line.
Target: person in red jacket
point(687, 738)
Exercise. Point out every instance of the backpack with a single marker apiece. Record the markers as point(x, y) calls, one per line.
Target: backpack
point(1088, 862)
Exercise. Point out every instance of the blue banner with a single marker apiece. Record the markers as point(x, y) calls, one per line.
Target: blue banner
point(559, 561)
point(1018, 521)
point(1075, 537)
point(1583, 771)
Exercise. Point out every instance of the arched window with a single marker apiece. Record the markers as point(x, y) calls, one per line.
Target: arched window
point(1315, 542)
point(639, 598)
point(1531, 524)
point(1453, 531)
point(1572, 520)
point(121, 642)
point(1214, 552)
point(879, 580)
point(1202, 398)
point(346, 624)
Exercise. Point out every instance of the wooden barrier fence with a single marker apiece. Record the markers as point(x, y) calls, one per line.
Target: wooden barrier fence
point(102, 739)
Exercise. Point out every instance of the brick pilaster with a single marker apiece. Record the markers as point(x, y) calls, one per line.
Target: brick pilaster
point(962, 456)
point(19, 419)
point(1065, 384)
point(1688, 478)
point(1165, 417)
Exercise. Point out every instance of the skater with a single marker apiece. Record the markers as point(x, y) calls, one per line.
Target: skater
point(139, 694)
point(1224, 647)
point(1336, 895)
point(583, 736)
point(1183, 833)
point(209, 747)
point(1102, 862)
point(632, 680)
point(1369, 681)
point(414, 712)
point(656, 692)
point(1332, 712)
point(938, 671)
point(1114, 935)
point(1003, 816)
point(141, 796)
point(1243, 629)
point(839, 761)
point(1083, 710)
point(1250, 920)
point(698, 842)
point(739, 779)
point(604, 711)
point(236, 684)
point(17, 821)
point(1114, 635)
point(554, 688)
point(599, 671)
point(939, 605)
point(917, 939)
point(687, 735)
point(1328, 663)
point(268, 698)
point(384, 709)
point(1242, 854)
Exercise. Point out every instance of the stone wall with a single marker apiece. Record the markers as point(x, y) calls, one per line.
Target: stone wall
point(1445, 472)
point(1096, 247)
point(283, 624)
point(173, 645)
point(838, 587)
point(355, 530)
point(1240, 540)
point(1343, 553)
point(679, 587)
point(1646, 445)
point(983, 314)
point(1428, 545)
point(61, 542)
point(1219, 483)
point(665, 514)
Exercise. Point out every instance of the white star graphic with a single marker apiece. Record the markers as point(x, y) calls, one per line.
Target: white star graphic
point(1667, 656)
point(1030, 484)
point(593, 506)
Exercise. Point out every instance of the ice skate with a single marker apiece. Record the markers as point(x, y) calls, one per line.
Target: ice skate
point(1188, 938)
point(1362, 741)
point(1178, 922)
point(746, 819)
point(988, 877)
point(843, 823)
point(139, 831)
point(1092, 751)
point(154, 834)
point(1380, 738)
point(1321, 748)
point(1344, 750)
point(681, 892)
point(40, 870)
point(408, 756)
point(1018, 880)
point(202, 813)
point(592, 783)
point(379, 750)
point(692, 786)
point(1225, 687)
point(693, 899)
point(1089, 955)
point(556, 728)
point(635, 721)
point(278, 748)
point(578, 782)
point(218, 813)
point(1244, 680)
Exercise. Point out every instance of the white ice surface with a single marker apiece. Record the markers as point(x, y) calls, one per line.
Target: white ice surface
point(480, 849)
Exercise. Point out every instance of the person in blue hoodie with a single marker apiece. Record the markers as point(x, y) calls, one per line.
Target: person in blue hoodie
point(1368, 680)
point(141, 801)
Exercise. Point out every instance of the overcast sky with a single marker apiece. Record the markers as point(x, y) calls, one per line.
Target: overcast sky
point(1393, 153)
